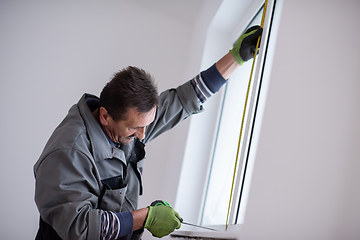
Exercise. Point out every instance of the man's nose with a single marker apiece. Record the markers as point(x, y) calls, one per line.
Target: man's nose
point(140, 133)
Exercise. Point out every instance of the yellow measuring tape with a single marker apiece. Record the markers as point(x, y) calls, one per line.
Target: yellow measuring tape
point(243, 118)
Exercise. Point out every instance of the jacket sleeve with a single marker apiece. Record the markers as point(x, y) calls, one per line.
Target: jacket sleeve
point(174, 106)
point(67, 193)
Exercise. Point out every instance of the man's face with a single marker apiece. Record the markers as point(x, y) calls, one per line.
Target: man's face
point(125, 131)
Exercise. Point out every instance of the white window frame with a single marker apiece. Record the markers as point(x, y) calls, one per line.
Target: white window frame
point(190, 197)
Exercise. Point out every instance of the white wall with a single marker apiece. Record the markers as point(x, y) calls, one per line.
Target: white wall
point(53, 52)
point(306, 181)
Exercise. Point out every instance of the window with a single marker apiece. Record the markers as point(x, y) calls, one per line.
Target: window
point(207, 173)
point(225, 148)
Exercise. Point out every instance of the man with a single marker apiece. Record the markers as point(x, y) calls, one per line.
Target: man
point(88, 177)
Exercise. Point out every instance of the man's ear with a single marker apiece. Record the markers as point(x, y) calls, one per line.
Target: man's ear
point(103, 116)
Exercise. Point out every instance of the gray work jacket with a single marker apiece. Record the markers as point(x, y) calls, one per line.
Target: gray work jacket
point(79, 173)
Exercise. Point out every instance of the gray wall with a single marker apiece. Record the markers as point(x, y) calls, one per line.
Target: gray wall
point(53, 52)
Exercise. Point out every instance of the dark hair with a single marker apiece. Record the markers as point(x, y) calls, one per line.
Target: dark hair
point(131, 87)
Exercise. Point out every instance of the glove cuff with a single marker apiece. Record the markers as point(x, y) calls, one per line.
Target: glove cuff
point(236, 55)
point(147, 216)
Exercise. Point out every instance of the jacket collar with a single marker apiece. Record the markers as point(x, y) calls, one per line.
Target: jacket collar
point(100, 146)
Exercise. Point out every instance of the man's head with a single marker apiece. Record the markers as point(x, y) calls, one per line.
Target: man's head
point(128, 104)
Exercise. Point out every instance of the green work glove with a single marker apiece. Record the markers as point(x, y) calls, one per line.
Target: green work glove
point(163, 203)
point(244, 48)
point(162, 220)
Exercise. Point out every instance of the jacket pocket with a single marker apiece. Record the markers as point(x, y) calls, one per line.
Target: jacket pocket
point(113, 194)
point(112, 200)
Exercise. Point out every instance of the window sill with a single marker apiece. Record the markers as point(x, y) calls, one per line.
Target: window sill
point(232, 233)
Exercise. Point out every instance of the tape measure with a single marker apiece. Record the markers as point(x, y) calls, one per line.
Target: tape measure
point(243, 117)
